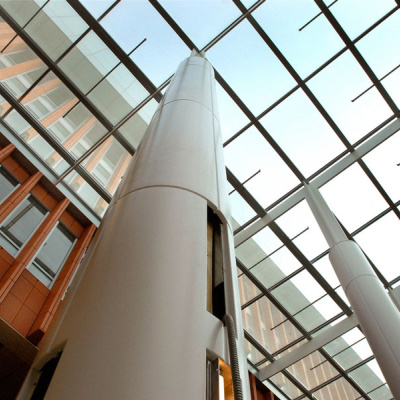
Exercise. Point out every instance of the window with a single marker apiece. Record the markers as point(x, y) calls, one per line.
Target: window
point(19, 226)
point(52, 255)
point(7, 184)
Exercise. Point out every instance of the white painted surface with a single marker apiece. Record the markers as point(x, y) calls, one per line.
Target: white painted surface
point(379, 318)
point(135, 323)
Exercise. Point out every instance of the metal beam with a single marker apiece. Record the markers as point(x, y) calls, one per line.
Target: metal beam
point(48, 172)
point(54, 143)
point(312, 345)
point(114, 47)
point(319, 181)
point(63, 78)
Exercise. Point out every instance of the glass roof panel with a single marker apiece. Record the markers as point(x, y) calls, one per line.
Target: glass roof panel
point(355, 16)
point(368, 376)
point(268, 325)
point(313, 370)
point(353, 204)
point(231, 117)
point(284, 384)
point(22, 11)
point(299, 129)
point(255, 153)
point(324, 267)
point(300, 225)
point(132, 21)
point(88, 62)
point(349, 349)
point(338, 389)
point(248, 291)
point(57, 21)
point(258, 77)
point(383, 162)
point(202, 21)
point(340, 83)
point(307, 49)
point(97, 8)
point(380, 241)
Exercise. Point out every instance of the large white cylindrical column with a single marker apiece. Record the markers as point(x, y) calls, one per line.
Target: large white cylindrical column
point(135, 324)
point(378, 316)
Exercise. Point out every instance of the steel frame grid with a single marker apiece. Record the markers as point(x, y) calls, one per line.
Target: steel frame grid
point(299, 86)
point(187, 41)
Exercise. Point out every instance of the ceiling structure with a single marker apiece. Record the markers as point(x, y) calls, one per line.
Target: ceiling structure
point(309, 92)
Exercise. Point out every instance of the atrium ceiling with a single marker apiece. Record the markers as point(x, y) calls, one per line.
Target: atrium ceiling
point(309, 92)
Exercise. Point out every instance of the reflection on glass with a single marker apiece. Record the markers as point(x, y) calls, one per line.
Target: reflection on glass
point(380, 242)
point(249, 153)
point(313, 371)
point(56, 27)
point(285, 385)
point(258, 77)
point(19, 226)
point(338, 389)
point(337, 85)
point(307, 49)
point(52, 255)
point(268, 325)
point(7, 184)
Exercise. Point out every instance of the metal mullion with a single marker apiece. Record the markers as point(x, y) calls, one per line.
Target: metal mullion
point(309, 267)
point(113, 131)
point(314, 73)
point(299, 385)
point(344, 373)
point(227, 88)
point(304, 308)
point(357, 55)
point(258, 346)
point(26, 24)
point(43, 132)
point(65, 53)
point(379, 187)
point(272, 299)
point(114, 47)
point(295, 76)
point(273, 252)
point(253, 203)
point(64, 79)
point(252, 301)
point(259, 126)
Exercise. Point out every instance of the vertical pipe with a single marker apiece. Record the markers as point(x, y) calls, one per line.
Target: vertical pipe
point(376, 312)
point(136, 323)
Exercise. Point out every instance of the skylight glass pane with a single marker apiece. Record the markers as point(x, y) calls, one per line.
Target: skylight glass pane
point(252, 353)
point(313, 370)
point(268, 325)
point(247, 289)
point(368, 376)
point(97, 8)
point(56, 27)
point(307, 49)
point(22, 11)
point(300, 225)
point(380, 241)
point(324, 267)
point(286, 385)
point(132, 21)
point(201, 20)
point(340, 83)
point(88, 62)
point(353, 204)
point(300, 130)
point(383, 162)
point(355, 16)
point(338, 389)
point(231, 117)
point(249, 153)
point(258, 77)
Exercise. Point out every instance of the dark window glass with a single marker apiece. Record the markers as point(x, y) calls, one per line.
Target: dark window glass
point(7, 184)
point(52, 255)
point(20, 224)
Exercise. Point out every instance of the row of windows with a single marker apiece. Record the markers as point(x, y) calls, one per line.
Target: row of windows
point(22, 223)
